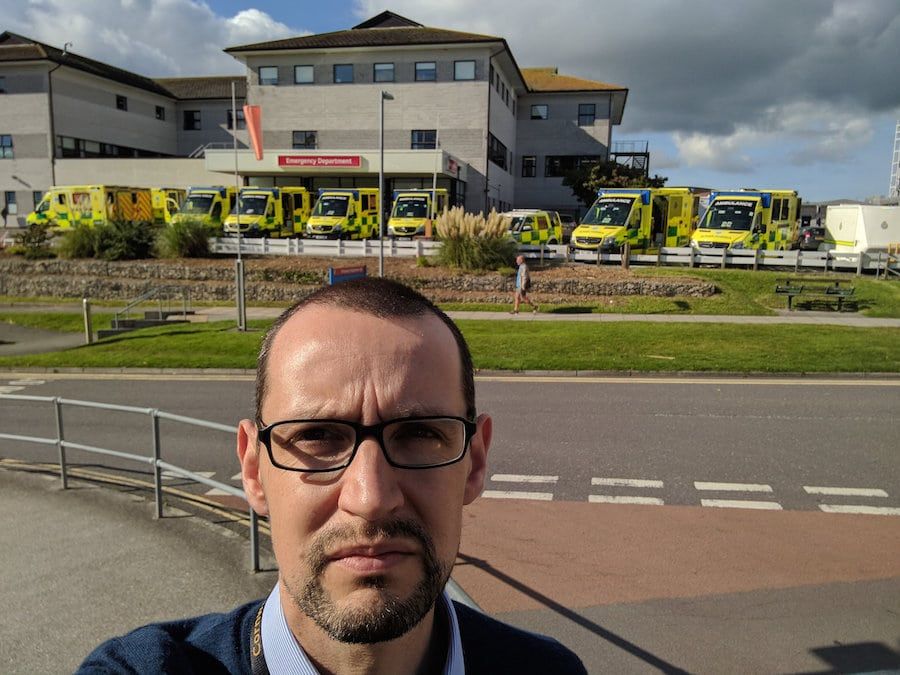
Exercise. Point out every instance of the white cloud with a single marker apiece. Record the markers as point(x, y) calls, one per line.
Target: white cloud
point(155, 38)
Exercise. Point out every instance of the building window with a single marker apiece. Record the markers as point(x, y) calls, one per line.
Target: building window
point(540, 112)
point(587, 113)
point(2, 84)
point(90, 149)
point(6, 147)
point(36, 197)
point(305, 140)
point(343, 73)
point(241, 122)
point(424, 139)
point(463, 70)
point(191, 120)
point(557, 166)
point(496, 151)
point(383, 72)
point(491, 73)
point(426, 71)
point(303, 75)
point(268, 75)
point(10, 201)
point(122, 102)
point(529, 166)
point(160, 112)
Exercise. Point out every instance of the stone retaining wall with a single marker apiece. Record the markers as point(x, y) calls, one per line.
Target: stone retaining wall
point(215, 282)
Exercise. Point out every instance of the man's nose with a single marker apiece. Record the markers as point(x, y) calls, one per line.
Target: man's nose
point(370, 486)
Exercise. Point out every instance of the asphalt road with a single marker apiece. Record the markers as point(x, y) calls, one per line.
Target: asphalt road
point(796, 444)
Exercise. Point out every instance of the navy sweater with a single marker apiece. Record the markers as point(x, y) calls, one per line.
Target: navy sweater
point(220, 643)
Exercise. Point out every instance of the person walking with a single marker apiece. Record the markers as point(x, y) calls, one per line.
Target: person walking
point(523, 286)
point(4, 213)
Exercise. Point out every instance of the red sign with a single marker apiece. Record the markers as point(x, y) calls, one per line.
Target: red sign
point(340, 161)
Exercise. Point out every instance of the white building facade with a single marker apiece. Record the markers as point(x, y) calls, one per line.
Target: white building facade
point(459, 112)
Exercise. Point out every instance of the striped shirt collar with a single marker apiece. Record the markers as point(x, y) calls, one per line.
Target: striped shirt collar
point(284, 655)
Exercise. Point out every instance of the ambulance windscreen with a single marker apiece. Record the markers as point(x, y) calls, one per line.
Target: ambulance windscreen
point(197, 204)
point(729, 215)
point(609, 211)
point(331, 206)
point(253, 205)
point(411, 207)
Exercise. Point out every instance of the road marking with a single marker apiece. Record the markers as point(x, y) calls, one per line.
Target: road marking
point(515, 478)
point(10, 390)
point(732, 487)
point(171, 475)
point(609, 499)
point(512, 494)
point(740, 504)
point(28, 382)
point(627, 482)
point(845, 492)
point(236, 476)
point(865, 510)
point(216, 492)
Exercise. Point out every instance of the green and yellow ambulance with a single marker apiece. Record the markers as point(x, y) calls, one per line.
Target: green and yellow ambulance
point(350, 213)
point(754, 219)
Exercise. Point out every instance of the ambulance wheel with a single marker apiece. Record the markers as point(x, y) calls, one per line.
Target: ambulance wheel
point(552, 242)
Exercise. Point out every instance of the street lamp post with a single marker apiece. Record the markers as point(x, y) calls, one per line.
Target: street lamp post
point(385, 96)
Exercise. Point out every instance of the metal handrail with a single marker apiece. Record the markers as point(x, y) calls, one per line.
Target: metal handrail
point(160, 293)
point(454, 590)
point(155, 461)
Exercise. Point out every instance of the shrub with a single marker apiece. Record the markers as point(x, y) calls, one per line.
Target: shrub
point(184, 239)
point(77, 242)
point(123, 240)
point(34, 242)
point(471, 242)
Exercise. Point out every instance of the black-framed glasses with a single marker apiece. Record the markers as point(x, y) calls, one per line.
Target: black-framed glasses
point(318, 445)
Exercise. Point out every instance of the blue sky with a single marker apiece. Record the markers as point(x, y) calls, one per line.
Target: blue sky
point(753, 93)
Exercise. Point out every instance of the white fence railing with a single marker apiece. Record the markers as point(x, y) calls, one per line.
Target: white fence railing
point(823, 261)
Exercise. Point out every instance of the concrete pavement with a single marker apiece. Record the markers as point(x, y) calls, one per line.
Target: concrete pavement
point(632, 589)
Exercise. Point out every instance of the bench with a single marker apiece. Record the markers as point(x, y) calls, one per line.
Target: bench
point(826, 290)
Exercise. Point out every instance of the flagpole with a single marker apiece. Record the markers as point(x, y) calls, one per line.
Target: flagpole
point(238, 264)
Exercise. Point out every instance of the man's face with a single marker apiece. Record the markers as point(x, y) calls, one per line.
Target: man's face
point(364, 551)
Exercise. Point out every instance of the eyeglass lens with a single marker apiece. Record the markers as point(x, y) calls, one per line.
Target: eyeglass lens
point(313, 445)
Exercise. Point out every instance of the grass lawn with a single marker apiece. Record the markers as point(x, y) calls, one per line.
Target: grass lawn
point(637, 346)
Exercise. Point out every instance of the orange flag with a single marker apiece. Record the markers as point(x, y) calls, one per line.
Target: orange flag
point(253, 116)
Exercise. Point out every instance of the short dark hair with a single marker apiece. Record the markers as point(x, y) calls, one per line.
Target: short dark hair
point(378, 297)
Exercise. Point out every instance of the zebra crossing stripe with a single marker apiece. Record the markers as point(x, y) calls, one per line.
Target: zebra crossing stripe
point(627, 482)
point(513, 494)
point(732, 487)
point(845, 492)
point(741, 504)
point(515, 478)
point(860, 509)
point(609, 499)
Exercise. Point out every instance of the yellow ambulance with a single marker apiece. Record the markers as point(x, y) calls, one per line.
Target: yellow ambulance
point(754, 219)
point(208, 205)
point(269, 212)
point(345, 213)
point(66, 206)
point(166, 202)
point(534, 227)
point(413, 208)
point(646, 218)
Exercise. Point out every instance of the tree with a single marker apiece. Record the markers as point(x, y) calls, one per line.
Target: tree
point(587, 179)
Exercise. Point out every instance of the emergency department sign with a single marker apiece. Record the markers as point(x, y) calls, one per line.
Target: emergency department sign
point(334, 161)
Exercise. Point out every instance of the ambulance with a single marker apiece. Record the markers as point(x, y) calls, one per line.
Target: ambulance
point(344, 213)
point(269, 212)
point(646, 218)
point(412, 208)
point(533, 227)
point(208, 205)
point(66, 206)
point(165, 203)
point(754, 219)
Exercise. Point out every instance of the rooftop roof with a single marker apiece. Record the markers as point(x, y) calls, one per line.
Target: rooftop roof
point(549, 80)
point(15, 47)
point(204, 87)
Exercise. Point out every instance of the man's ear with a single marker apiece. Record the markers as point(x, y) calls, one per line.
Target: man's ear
point(478, 450)
point(248, 456)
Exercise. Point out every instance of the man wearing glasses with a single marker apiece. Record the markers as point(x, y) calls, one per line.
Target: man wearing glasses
point(365, 448)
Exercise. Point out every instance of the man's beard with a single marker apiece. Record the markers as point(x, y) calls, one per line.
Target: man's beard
point(389, 616)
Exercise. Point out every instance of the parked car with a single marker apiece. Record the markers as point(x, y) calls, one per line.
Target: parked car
point(568, 226)
point(811, 237)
